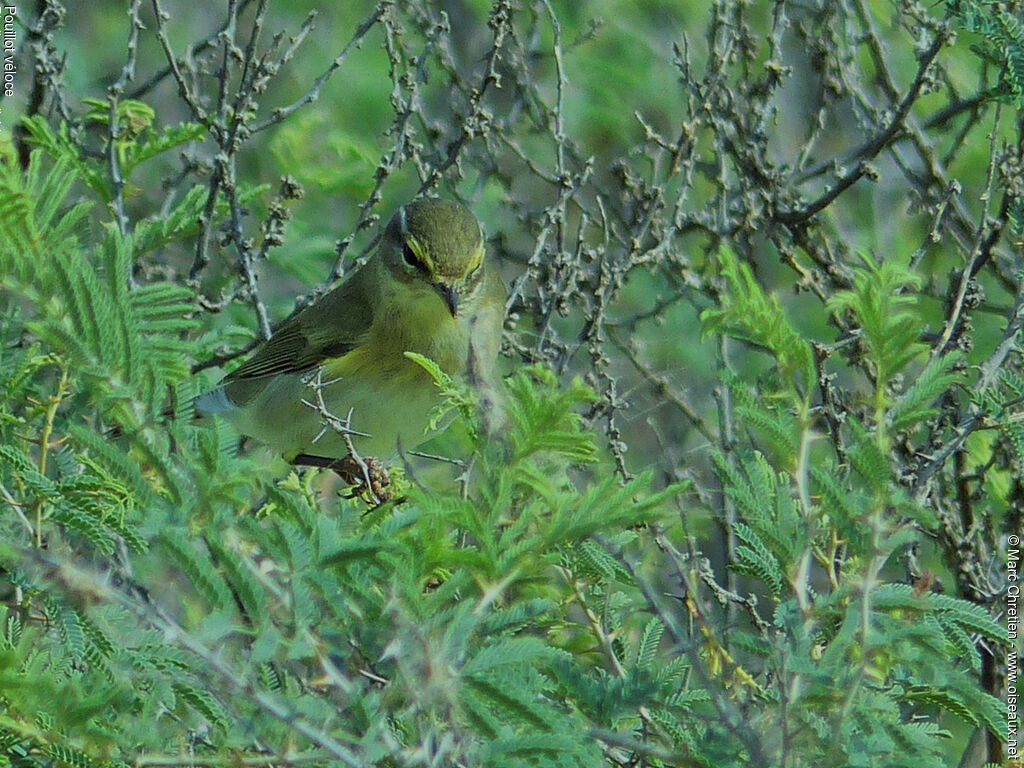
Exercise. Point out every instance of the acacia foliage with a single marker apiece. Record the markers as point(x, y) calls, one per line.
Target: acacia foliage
point(796, 563)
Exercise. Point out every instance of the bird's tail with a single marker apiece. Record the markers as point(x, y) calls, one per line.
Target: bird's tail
point(213, 402)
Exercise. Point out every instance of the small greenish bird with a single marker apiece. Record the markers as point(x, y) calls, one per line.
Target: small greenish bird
point(428, 290)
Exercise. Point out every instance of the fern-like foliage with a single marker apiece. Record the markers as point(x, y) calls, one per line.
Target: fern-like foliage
point(1001, 405)
point(1002, 31)
point(885, 314)
point(83, 347)
point(747, 313)
point(171, 598)
point(917, 403)
point(85, 306)
point(817, 529)
point(443, 618)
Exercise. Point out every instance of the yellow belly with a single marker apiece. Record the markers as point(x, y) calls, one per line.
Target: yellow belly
point(389, 404)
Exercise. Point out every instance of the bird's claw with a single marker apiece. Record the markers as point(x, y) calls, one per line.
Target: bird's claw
point(368, 477)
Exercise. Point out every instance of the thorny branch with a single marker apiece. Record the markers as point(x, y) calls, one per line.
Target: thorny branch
point(592, 233)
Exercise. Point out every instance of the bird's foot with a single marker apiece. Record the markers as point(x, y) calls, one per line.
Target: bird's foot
point(367, 477)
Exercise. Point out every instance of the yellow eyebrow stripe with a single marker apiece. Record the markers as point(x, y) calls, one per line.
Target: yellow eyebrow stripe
point(421, 253)
point(478, 257)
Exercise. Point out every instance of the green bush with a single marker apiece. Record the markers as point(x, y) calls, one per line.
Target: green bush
point(762, 436)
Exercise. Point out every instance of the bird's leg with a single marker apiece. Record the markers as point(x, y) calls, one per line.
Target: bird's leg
point(366, 476)
point(309, 460)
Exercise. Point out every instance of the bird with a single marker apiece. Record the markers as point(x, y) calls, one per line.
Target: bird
point(427, 289)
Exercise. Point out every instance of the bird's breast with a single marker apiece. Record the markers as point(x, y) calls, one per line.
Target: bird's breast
point(420, 322)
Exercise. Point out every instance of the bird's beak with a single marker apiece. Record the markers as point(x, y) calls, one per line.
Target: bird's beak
point(450, 296)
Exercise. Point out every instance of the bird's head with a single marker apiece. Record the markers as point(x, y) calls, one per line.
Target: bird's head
point(439, 244)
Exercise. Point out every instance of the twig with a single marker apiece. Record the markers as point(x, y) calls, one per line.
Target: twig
point(91, 586)
point(872, 147)
point(114, 95)
point(342, 427)
point(282, 113)
point(975, 416)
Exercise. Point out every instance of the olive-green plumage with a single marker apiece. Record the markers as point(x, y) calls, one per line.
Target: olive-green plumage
point(427, 289)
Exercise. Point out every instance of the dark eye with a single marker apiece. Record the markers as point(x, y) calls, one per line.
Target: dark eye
point(409, 256)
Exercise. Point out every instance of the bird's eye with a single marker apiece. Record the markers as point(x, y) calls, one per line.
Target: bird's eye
point(409, 256)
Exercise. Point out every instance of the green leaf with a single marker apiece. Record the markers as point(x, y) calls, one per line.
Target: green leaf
point(647, 650)
point(746, 312)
